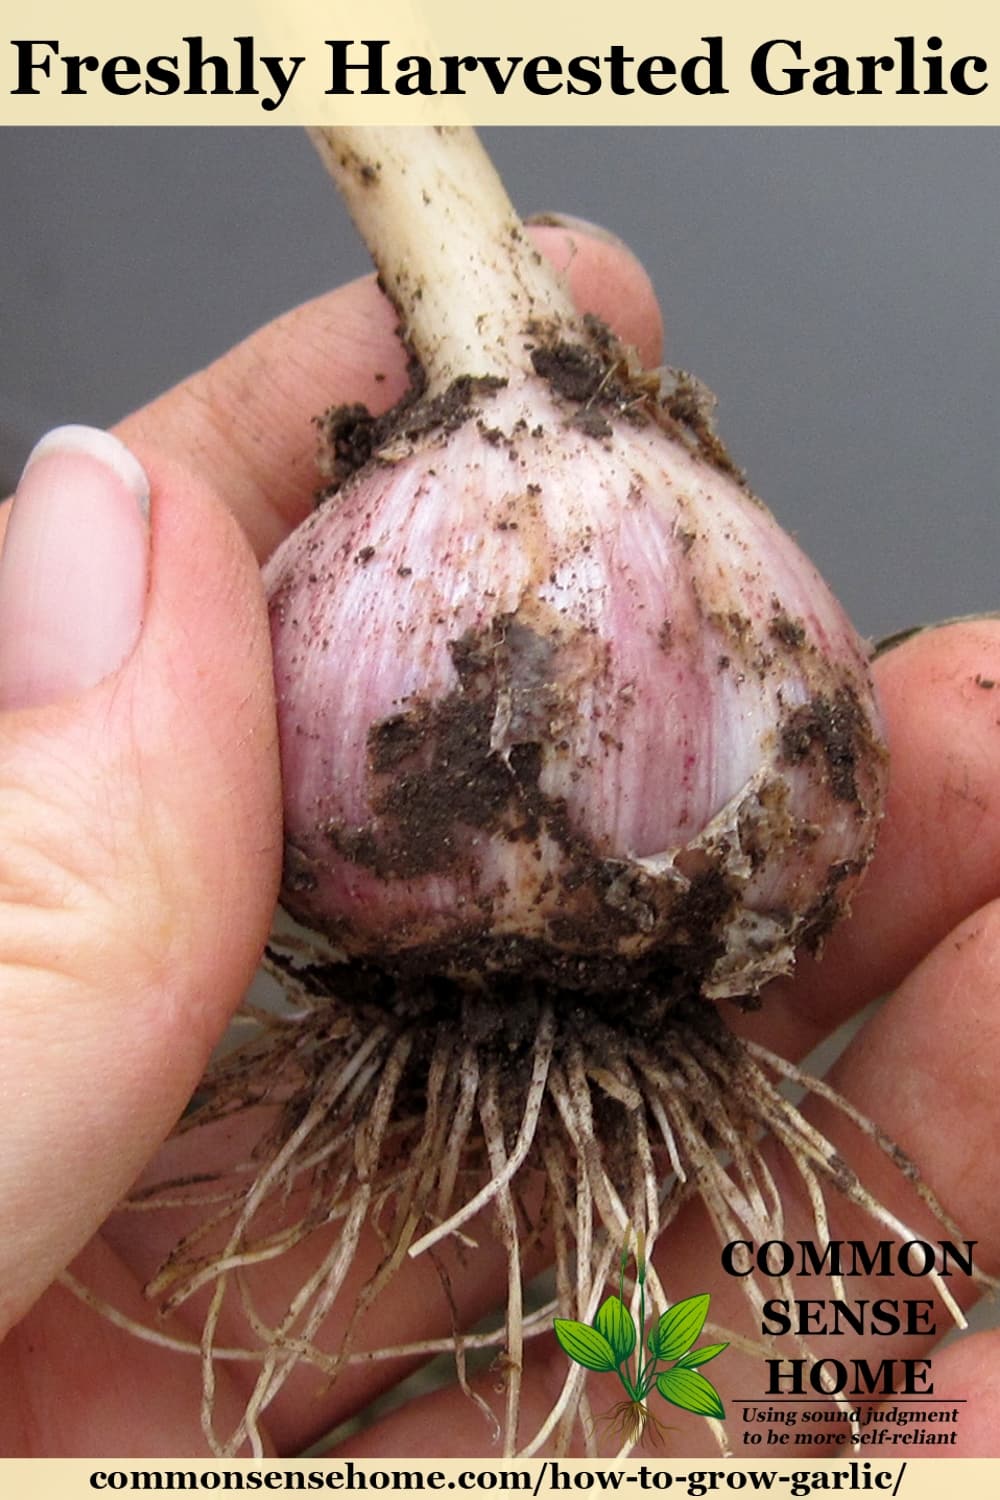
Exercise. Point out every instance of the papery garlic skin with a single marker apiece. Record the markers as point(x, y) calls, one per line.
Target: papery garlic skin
point(571, 698)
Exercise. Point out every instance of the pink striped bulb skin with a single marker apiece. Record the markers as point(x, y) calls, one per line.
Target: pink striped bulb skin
point(558, 691)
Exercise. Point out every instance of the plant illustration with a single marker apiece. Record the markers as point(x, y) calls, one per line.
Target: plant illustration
point(665, 1358)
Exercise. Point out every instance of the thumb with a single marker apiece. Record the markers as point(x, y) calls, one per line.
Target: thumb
point(139, 827)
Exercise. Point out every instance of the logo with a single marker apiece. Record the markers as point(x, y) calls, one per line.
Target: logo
point(664, 1359)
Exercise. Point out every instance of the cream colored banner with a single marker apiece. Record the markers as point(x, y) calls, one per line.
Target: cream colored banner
point(75, 1479)
point(559, 62)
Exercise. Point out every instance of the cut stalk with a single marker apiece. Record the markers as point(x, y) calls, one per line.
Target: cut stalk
point(450, 249)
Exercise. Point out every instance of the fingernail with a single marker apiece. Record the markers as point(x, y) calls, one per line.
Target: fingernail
point(579, 226)
point(900, 637)
point(74, 567)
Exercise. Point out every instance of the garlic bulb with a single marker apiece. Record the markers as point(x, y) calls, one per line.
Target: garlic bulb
point(557, 695)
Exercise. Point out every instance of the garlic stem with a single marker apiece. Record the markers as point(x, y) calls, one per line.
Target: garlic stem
point(450, 249)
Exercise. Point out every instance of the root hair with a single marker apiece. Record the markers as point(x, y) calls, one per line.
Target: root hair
point(414, 1129)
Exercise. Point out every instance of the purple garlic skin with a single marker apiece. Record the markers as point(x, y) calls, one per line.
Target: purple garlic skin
point(553, 687)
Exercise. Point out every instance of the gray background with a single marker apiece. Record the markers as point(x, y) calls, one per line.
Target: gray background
point(838, 289)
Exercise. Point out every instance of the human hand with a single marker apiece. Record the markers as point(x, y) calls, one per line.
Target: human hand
point(142, 843)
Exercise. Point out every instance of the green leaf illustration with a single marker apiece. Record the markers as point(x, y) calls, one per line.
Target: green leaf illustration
point(697, 1357)
point(585, 1346)
point(690, 1391)
point(615, 1322)
point(680, 1325)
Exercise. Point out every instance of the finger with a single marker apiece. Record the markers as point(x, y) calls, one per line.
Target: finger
point(139, 829)
point(245, 424)
point(78, 1386)
point(938, 853)
point(970, 1372)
